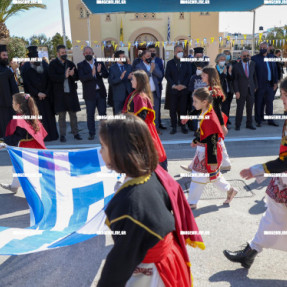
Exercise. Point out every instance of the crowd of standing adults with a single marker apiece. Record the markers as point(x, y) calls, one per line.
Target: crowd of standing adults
point(253, 80)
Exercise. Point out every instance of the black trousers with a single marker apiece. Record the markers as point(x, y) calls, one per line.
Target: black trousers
point(264, 96)
point(178, 100)
point(91, 105)
point(249, 100)
point(227, 103)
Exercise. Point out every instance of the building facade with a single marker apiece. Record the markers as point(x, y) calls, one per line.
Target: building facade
point(93, 30)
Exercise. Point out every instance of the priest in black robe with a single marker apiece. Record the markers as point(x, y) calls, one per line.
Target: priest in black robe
point(8, 87)
point(36, 82)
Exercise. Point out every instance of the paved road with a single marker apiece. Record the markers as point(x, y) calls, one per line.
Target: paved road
point(80, 265)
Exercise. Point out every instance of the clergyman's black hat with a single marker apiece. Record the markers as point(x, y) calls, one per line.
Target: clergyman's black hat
point(3, 48)
point(33, 52)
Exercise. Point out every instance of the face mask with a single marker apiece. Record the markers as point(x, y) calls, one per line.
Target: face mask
point(227, 57)
point(153, 55)
point(263, 51)
point(246, 59)
point(64, 57)
point(148, 60)
point(88, 57)
point(180, 54)
point(198, 72)
point(221, 63)
point(4, 62)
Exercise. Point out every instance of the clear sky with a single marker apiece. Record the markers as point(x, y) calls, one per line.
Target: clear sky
point(49, 21)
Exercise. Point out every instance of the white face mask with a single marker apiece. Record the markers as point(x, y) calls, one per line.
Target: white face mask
point(221, 63)
point(180, 54)
point(198, 72)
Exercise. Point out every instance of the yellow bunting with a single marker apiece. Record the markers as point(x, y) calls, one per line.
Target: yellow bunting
point(212, 39)
point(260, 36)
point(185, 42)
point(228, 38)
point(78, 41)
point(157, 43)
point(244, 36)
point(115, 48)
point(82, 47)
point(95, 42)
point(129, 45)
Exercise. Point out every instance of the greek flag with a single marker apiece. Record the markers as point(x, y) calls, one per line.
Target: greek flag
point(67, 192)
point(168, 30)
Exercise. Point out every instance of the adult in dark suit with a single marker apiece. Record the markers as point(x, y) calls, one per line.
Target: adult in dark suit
point(159, 62)
point(137, 60)
point(267, 78)
point(178, 74)
point(38, 85)
point(63, 75)
point(245, 85)
point(8, 87)
point(120, 81)
point(91, 74)
point(154, 75)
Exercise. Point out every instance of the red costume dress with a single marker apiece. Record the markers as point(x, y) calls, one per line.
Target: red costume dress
point(142, 107)
point(20, 133)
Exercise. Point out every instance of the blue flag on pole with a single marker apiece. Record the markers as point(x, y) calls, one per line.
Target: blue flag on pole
point(67, 192)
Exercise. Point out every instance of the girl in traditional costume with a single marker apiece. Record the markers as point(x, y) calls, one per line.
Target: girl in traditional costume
point(24, 130)
point(140, 103)
point(207, 161)
point(150, 207)
point(272, 228)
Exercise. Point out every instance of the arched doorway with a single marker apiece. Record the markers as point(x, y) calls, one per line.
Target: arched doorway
point(145, 37)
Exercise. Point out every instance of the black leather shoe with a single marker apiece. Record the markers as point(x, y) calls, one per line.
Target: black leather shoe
point(251, 127)
point(63, 139)
point(173, 131)
point(91, 137)
point(245, 257)
point(184, 129)
point(237, 128)
point(258, 125)
point(77, 137)
point(272, 123)
point(162, 127)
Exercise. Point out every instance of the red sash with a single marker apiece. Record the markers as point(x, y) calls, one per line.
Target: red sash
point(38, 138)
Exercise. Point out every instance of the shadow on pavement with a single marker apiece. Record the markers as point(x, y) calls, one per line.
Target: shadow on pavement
point(71, 266)
point(238, 278)
point(258, 207)
point(10, 203)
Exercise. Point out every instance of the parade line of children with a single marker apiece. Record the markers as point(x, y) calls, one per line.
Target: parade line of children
point(150, 205)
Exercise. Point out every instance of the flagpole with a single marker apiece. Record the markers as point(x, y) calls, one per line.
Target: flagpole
point(253, 33)
point(63, 23)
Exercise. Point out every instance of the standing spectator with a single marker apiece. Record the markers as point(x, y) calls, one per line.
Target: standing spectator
point(8, 88)
point(225, 74)
point(267, 78)
point(191, 53)
point(137, 60)
point(154, 75)
point(38, 86)
point(63, 75)
point(280, 65)
point(91, 74)
point(245, 85)
point(159, 62)
point(120, 81)
point(198, 53)
point(178, 76)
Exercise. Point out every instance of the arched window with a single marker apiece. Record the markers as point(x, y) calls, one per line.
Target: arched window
point(181, 15)
point(82, 14)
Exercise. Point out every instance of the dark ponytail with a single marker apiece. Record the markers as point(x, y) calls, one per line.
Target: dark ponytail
point(28, 108)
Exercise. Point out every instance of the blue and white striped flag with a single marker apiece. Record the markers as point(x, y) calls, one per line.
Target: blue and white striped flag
point(67, 191)
point(168, 30)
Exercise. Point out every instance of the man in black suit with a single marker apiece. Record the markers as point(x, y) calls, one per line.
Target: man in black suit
point(178, 75)
point(267, 78)
point(63, 75)
point(120, 81)
point(91, 74)
point(245, 85)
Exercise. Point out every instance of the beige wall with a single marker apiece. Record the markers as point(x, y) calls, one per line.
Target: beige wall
point(193, 25)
